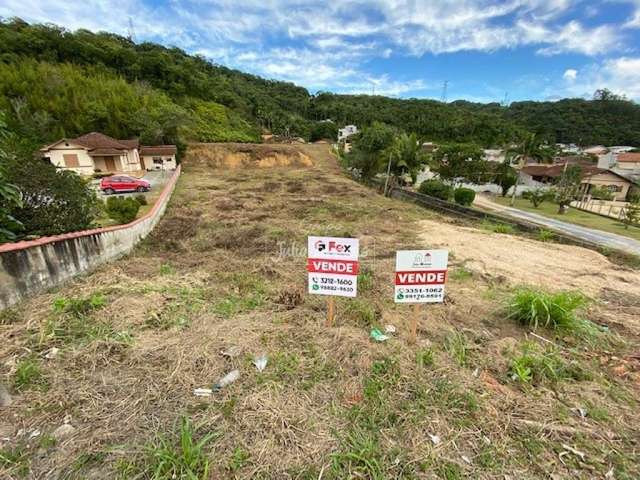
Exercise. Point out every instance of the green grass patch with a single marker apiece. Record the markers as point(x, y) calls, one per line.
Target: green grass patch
point(15, 461)
point(239, 458)
point(460, 274)
point(248, 292)
point(457, 345)
point(578, 217)
point(497, 227)
point(535, 365)
point(29, 376)
point(362, 312)
point(365, 279)
point(546, 235)
point(537, 308)
point(180, 455)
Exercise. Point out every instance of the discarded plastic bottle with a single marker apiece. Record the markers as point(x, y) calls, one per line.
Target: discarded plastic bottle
point(228, 379)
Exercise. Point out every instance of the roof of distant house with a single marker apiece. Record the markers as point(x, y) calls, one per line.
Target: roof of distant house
point(99, 144)
point(557, 169)
point(633, 157)
point(158, 150)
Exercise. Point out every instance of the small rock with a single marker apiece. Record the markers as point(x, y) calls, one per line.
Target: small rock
point(435, 439)
point(53, 353)
point(63, 431)
point(5, 398)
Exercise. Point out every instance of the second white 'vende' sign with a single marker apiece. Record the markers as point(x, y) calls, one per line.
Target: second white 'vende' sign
point(420, 276)
point(332, 265)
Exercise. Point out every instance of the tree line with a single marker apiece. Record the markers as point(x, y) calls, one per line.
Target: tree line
point(241, 104)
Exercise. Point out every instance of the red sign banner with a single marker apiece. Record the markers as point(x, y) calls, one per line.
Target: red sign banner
point(343, 267)
point(417, 277)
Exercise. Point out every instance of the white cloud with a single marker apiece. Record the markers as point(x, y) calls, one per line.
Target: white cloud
point(326, 44)
point(570, 74)
point(620, 75)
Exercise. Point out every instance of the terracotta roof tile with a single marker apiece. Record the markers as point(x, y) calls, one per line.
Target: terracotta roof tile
point(158, 150)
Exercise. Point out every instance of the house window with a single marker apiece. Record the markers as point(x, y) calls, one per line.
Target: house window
point(157, 160)
point(70, 160)
point(614, 188)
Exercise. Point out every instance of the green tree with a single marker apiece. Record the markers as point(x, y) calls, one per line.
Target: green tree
point(10, 196)
point(368, 146)
point(632, 213)
point(537, 196)
point(529, 148)
point(505, 176)
point(567, 187)
point(123, 210)
point(406, 157)
point(460, 162)
point(53, 201)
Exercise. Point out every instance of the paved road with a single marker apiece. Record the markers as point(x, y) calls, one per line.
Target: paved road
point(605, 239)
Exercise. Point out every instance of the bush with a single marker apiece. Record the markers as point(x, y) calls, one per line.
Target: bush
point(141, 199)
point(52, 201)
point(601, 193)
point(536, 308)
point(537, 196)
point(435, 188)
point(464, 196)
point(122, 210)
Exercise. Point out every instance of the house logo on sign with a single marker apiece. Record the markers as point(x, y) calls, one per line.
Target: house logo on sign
point(320, 246)
point(421, 260)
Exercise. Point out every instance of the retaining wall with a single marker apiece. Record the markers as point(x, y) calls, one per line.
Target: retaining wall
point(35, 265)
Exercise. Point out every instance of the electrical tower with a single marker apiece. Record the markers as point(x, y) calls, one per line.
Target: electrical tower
point(131, 33)
point(443, 98)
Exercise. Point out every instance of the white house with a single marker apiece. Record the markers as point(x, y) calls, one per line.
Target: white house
point(346, 132)
point(98, 153)
point(159, 157)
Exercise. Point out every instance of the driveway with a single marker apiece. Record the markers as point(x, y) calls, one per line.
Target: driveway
point(604, 239)
point(157, 179)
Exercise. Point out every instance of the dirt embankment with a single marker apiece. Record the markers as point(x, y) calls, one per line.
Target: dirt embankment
point(245, 155)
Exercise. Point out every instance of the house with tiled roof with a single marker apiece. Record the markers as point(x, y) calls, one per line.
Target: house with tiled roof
point(592, 177)
point(99, 153)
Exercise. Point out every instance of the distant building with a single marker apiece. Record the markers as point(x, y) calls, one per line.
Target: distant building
point(621, 149)
point(346, 132)
point(493, 155)
point(628, 161)
point(592, 177)
point(428, 147)
point(99, 153)
point(596, 150)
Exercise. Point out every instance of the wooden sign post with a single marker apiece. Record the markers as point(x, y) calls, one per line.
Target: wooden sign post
point(332, 266)
point(420, 278)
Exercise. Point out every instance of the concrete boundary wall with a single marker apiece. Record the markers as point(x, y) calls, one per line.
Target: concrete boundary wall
point(32, 266)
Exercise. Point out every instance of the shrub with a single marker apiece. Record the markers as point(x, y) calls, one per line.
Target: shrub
point(122, 210)
point(141, 199)
point(435, 188)
point(464, 196)
point(601, 193)
point(53, 201)
point(537, 196)
point(535, 308)
point(535, 365)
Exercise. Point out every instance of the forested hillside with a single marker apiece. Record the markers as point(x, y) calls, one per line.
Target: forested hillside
point(54, 82)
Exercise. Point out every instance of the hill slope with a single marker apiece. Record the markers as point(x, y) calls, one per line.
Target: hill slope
point(226, 267)
point(288, 109)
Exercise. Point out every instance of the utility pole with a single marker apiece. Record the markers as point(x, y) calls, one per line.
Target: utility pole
point(386, 182)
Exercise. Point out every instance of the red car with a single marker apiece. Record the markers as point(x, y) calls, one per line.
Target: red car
point(123, 183)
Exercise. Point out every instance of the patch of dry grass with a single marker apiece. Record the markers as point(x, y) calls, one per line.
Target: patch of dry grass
point(226, 267)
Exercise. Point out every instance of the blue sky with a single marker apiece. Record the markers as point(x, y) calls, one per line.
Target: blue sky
point(485, 50)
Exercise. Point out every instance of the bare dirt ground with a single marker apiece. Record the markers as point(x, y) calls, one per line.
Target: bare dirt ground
point(226, 267)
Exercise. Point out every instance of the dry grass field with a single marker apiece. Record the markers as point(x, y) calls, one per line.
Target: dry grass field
point(116, 354)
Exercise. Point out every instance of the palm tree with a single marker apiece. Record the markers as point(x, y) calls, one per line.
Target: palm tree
point(405, 156)
point(529, 149)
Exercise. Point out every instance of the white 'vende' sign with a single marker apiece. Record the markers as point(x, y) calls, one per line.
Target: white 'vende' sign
point(332, 264)
point(420, 276)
